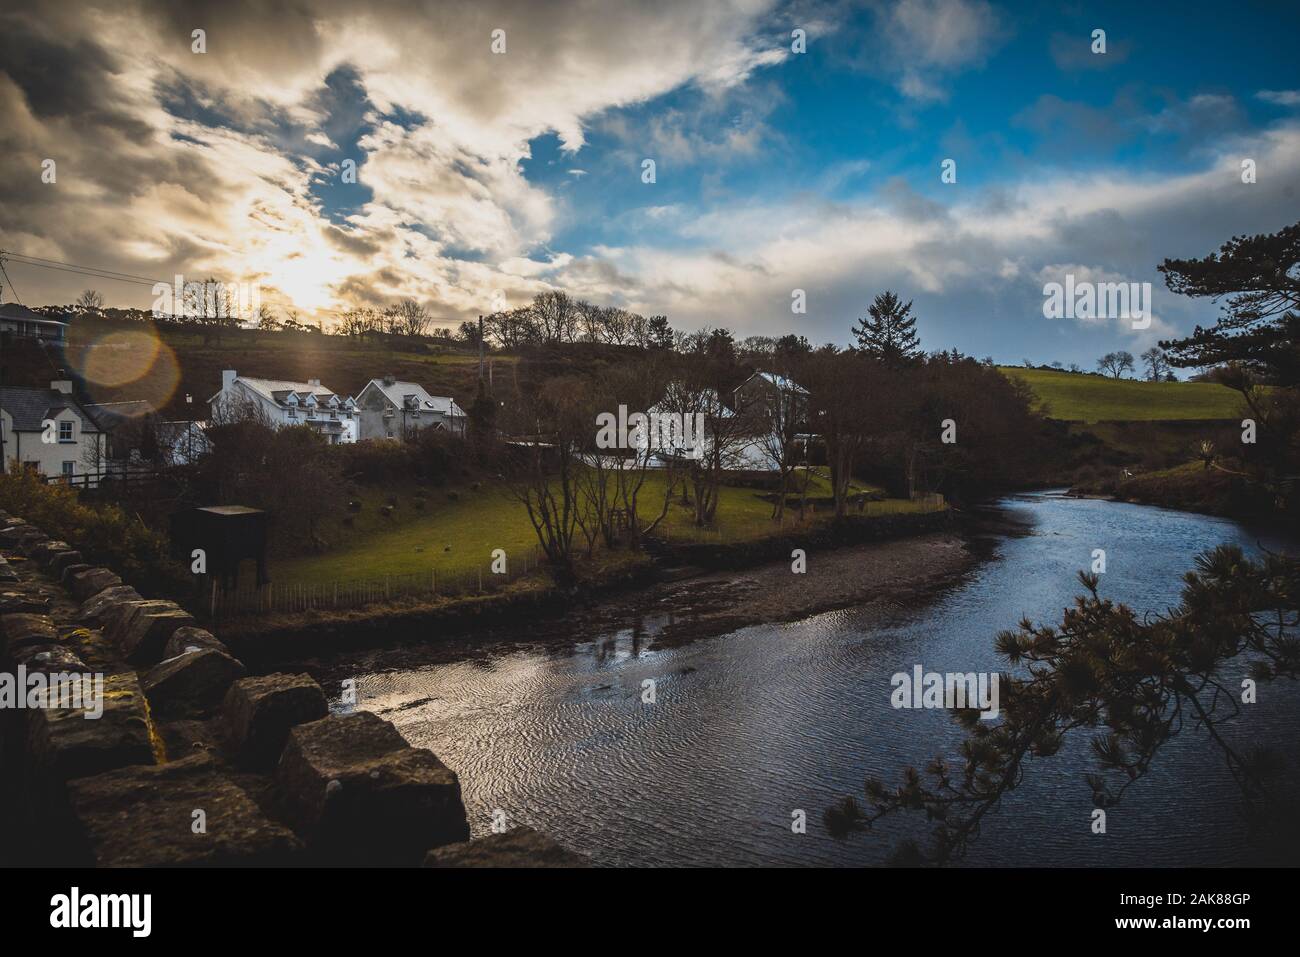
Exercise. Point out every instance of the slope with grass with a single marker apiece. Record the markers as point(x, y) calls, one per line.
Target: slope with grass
point(1076, 397)
point(458, 527)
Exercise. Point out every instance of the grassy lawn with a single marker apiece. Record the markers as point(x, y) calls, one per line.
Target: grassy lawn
point(1089, 398)
point(453, 536)
point(446, 537)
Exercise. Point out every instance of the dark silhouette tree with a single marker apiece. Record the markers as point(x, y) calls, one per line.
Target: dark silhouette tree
point(1260, 278)
point(888, 331)
point(1115, 364)
point(1133, 683)
point(1156, 363)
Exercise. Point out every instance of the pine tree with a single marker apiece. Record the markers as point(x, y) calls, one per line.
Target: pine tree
point(888, 331)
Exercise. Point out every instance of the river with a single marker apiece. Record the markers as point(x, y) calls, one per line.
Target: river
point(749, 727)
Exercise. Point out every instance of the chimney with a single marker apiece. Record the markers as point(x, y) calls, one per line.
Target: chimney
point(390, 379)
point(228, 377)
point(314, 382)
point(62, 383)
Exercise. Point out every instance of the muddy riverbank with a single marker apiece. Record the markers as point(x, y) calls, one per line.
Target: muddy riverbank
point(724, 587)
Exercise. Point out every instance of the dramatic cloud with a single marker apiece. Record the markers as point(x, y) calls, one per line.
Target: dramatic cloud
point(481, 174)
point(227, 161)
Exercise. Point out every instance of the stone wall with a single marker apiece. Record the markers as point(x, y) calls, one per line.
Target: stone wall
point(190, 760)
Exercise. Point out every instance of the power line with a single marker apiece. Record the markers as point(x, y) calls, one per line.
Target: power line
point(9, 281)
point(96, 272)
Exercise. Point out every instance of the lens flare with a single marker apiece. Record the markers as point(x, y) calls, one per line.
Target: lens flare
point(124, 364)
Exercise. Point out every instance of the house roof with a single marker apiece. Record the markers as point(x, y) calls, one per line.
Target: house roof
point(14, 311)
point(780, 381)
point(398, 392)
point(109, 415)
point(31, 407)
point(278, 390)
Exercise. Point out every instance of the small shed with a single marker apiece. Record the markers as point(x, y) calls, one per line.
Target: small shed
point(227, 534)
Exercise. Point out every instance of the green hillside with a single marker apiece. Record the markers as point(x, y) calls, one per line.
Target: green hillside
point(1073, 397)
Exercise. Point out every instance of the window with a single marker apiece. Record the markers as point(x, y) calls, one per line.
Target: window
point(65, 432)
point(293, 414)
point(69, 469)
point(390, 433)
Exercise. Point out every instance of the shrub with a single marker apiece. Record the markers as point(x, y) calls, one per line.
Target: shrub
point(104, 534)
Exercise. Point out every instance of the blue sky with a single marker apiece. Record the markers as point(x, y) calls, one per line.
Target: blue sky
point(485, 176)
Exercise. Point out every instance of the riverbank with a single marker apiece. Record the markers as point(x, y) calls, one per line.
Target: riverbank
point(1190, 487)
point(830, 580)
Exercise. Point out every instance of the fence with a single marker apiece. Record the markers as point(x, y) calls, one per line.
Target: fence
point(291, 597)
point(115, 482)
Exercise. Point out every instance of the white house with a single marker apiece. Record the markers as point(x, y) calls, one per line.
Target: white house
point(750, 428)
point(282, 403)
point(18, 320)
point(49, 431)
point(775, 405)
point(389, 408)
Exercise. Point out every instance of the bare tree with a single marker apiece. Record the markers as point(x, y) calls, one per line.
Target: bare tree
point(511, 329)
point(1156, 363)
point(410, 318)
point(550, 428)
point(89, 303)
point(1115, 364)
point(782, 412)
point(557, 316)
point(266, 320)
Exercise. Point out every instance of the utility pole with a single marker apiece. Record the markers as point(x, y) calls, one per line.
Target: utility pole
point(480, 348)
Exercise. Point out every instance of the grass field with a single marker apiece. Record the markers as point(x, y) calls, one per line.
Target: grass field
point(1089, 398)
point(454, 535)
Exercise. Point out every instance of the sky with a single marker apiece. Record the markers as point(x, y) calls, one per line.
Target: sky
point(485, 176)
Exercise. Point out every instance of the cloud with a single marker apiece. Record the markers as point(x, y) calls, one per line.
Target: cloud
point(927, 41)
point(1072, 52)
point(1280, 97)
point(228, 162)
point(974, 264)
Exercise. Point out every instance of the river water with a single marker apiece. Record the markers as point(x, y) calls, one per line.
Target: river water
point(749, 727)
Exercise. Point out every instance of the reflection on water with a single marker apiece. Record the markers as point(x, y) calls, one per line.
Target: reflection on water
point(750, 726)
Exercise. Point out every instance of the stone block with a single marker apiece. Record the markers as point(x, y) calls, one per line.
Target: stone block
point(521, 847)
point(94, 608)
point(192, 639)
point(146, 817)
point(21, 629)
point(63, 743)
point(192, 682)
point(91, 581)
point(260, 711)
point(358, 794)
point(143, 639)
